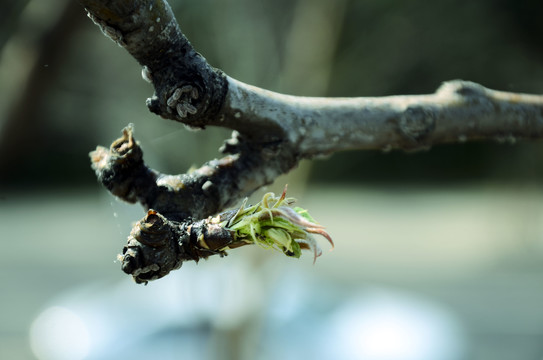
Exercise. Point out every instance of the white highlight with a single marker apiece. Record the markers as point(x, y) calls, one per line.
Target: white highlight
point(388, 328)
point(59, 333)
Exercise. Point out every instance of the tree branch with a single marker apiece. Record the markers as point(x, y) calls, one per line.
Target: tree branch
point(189, 90)
point(157, 245)
point(272, 131)
point(459, 111)
point(196, 195)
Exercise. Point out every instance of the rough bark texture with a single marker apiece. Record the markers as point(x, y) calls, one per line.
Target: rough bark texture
point(457, 112)
point(272, 132)
point(196, 195)
point(187, 88)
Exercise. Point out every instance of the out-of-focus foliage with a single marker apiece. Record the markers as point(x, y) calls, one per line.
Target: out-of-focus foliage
point(67, 88)
point(410, 47)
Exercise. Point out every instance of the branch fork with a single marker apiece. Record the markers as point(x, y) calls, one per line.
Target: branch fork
point(271, 133)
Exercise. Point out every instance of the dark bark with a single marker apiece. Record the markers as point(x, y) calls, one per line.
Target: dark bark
point(149, 31)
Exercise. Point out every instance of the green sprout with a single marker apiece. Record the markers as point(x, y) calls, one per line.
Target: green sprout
point(274, 224)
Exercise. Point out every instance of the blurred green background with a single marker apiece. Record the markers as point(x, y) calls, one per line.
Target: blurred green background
point(65, 89)
point(460, 225)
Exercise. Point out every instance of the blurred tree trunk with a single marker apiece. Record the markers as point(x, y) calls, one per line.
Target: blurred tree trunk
point(22, 133)
point(9, 18)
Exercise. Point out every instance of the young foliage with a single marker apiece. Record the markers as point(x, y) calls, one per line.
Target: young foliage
point(274, 224)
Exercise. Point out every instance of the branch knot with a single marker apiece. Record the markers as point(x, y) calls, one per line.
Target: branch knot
point(416, 122)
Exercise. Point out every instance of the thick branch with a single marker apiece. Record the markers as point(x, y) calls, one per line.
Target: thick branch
point(459, 111)
point(189, 90)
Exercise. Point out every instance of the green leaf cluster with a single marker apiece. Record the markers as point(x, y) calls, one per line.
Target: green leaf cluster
point(272, 224)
